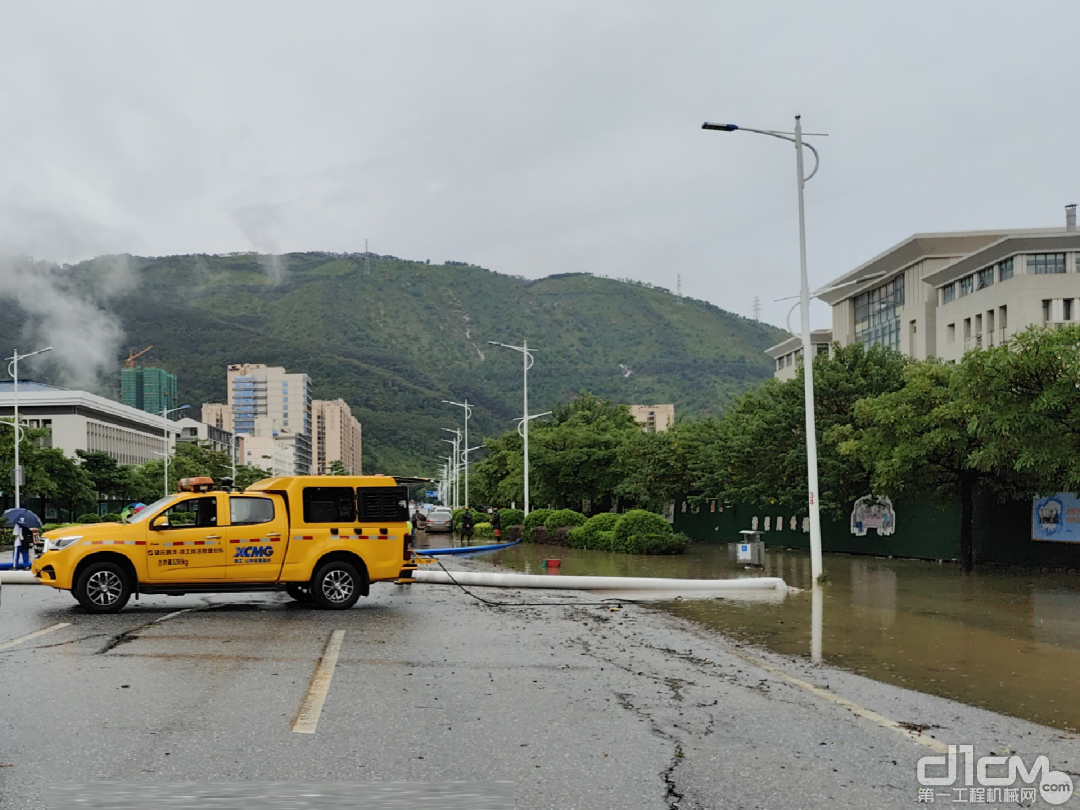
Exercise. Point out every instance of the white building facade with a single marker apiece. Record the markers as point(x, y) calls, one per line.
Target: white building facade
point(942, 294)
point(786, 354)
point(78, 420)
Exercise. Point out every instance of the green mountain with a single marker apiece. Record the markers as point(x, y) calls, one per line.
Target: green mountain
point(394, 338)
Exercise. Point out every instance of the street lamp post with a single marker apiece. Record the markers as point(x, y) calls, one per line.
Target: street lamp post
point(804, 307)
point(165, 435)
point(13, 370)
point(465, 461)
point(526, 363)
point(455, 467)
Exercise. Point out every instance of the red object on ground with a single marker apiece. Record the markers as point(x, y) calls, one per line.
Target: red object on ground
point(552, 563)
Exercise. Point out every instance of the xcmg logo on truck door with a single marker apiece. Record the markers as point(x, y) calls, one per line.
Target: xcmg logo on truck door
point(253, 554)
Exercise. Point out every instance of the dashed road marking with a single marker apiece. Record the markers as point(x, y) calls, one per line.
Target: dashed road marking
point(308, 716)
point(8, 644)
point(854, 708)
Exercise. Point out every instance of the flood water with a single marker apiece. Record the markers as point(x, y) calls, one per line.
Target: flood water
point(1001, 640)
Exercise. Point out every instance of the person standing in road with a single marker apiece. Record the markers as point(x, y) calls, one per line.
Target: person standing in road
point(22, 546)
point(466, 524)
point(496, 523)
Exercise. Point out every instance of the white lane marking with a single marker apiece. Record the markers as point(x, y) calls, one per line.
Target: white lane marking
point(13, 642)
point(308, 716)
point(854, 708)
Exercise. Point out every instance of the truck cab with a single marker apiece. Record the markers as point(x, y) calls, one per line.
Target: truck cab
point(323, 539)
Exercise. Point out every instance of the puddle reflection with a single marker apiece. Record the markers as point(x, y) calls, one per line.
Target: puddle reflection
point(1005, 641)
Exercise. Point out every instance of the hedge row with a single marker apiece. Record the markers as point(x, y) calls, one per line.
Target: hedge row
point(636, 532)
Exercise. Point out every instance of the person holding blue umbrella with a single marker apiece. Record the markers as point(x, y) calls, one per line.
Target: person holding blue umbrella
point(23, 521)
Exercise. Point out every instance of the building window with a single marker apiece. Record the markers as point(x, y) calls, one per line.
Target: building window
point(948, 293)
point(1046, 310)
point(967, 328)
point(950, 333)
point(877, 314)
point(1066, 309)
point(1046, 263)
point(984, 278)
point(1005, 270)
point(967, 285)
point(823, 348)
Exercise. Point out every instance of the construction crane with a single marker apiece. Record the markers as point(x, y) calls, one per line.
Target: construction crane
point(130, 362)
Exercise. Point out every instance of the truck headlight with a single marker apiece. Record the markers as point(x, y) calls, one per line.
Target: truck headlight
point(57, 543)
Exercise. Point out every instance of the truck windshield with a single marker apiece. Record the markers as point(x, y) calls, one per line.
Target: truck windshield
point(147, 511)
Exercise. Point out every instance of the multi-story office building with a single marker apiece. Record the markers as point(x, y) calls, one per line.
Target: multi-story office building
point(337, 436)
point(267, 402)
point(77, 420)
point(941, 294)
point(149, 389)
point(654, 417)
point(787, 353)
point(211, 436)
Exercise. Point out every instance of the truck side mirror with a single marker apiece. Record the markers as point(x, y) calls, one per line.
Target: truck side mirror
point(160, 522)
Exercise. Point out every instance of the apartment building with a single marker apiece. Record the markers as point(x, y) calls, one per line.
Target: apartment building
point(654, 417)
point(786, 354)
point(941, 294)
point(266, 402)
point(78, 420)
point(278, 455)
point(336, 436)
point(218, 415)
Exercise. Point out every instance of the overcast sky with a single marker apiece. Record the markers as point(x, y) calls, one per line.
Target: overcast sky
point(534, 137)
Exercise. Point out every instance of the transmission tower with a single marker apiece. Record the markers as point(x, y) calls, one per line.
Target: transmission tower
point(678, 285)
point(757, 308)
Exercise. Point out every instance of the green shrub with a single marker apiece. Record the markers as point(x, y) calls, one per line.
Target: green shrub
point(642, 532)
point(670, 543)
point(511, 517)
point(638, 522)
point(605, 540)
point(89, 517)
point(537, 517)
point(483, 530)
point(586, 535)
point(562, 518)
point(111, 517)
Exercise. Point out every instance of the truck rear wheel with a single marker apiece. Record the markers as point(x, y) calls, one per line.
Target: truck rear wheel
point(336, 586)
point(103, 587)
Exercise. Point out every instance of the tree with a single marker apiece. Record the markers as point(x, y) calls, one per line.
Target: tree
point(55, 476)
point(651, 470)
point(576, 454)
point(246, 476)
point(761, 453)
point(1026, 410)
point(106, 476)
point(917, 441)
point(336, 468)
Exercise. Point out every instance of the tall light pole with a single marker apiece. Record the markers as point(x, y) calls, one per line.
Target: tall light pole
point(465, 461)
point(13, 370)
point(796, 138)
point(526, 363)
point(165, 434)
point(455, 467)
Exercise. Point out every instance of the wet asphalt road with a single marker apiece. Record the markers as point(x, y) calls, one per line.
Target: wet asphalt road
point(578, 706)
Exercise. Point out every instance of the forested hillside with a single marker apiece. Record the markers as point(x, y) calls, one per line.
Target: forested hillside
point(396, 337)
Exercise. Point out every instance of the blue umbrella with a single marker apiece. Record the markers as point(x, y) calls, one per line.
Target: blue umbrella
point(23, 517)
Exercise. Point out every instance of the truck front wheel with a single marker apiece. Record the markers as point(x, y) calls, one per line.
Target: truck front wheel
point(336, 586)
point(103, 587)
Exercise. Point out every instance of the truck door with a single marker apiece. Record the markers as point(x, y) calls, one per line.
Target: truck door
point(184, 543)
point(255, 538)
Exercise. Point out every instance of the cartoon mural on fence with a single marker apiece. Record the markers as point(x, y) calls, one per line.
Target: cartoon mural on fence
point(873, 512)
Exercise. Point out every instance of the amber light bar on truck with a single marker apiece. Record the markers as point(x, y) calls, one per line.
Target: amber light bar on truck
point(201, 484)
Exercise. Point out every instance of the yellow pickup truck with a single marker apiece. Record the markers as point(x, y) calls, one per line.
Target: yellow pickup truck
point(320, 538)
